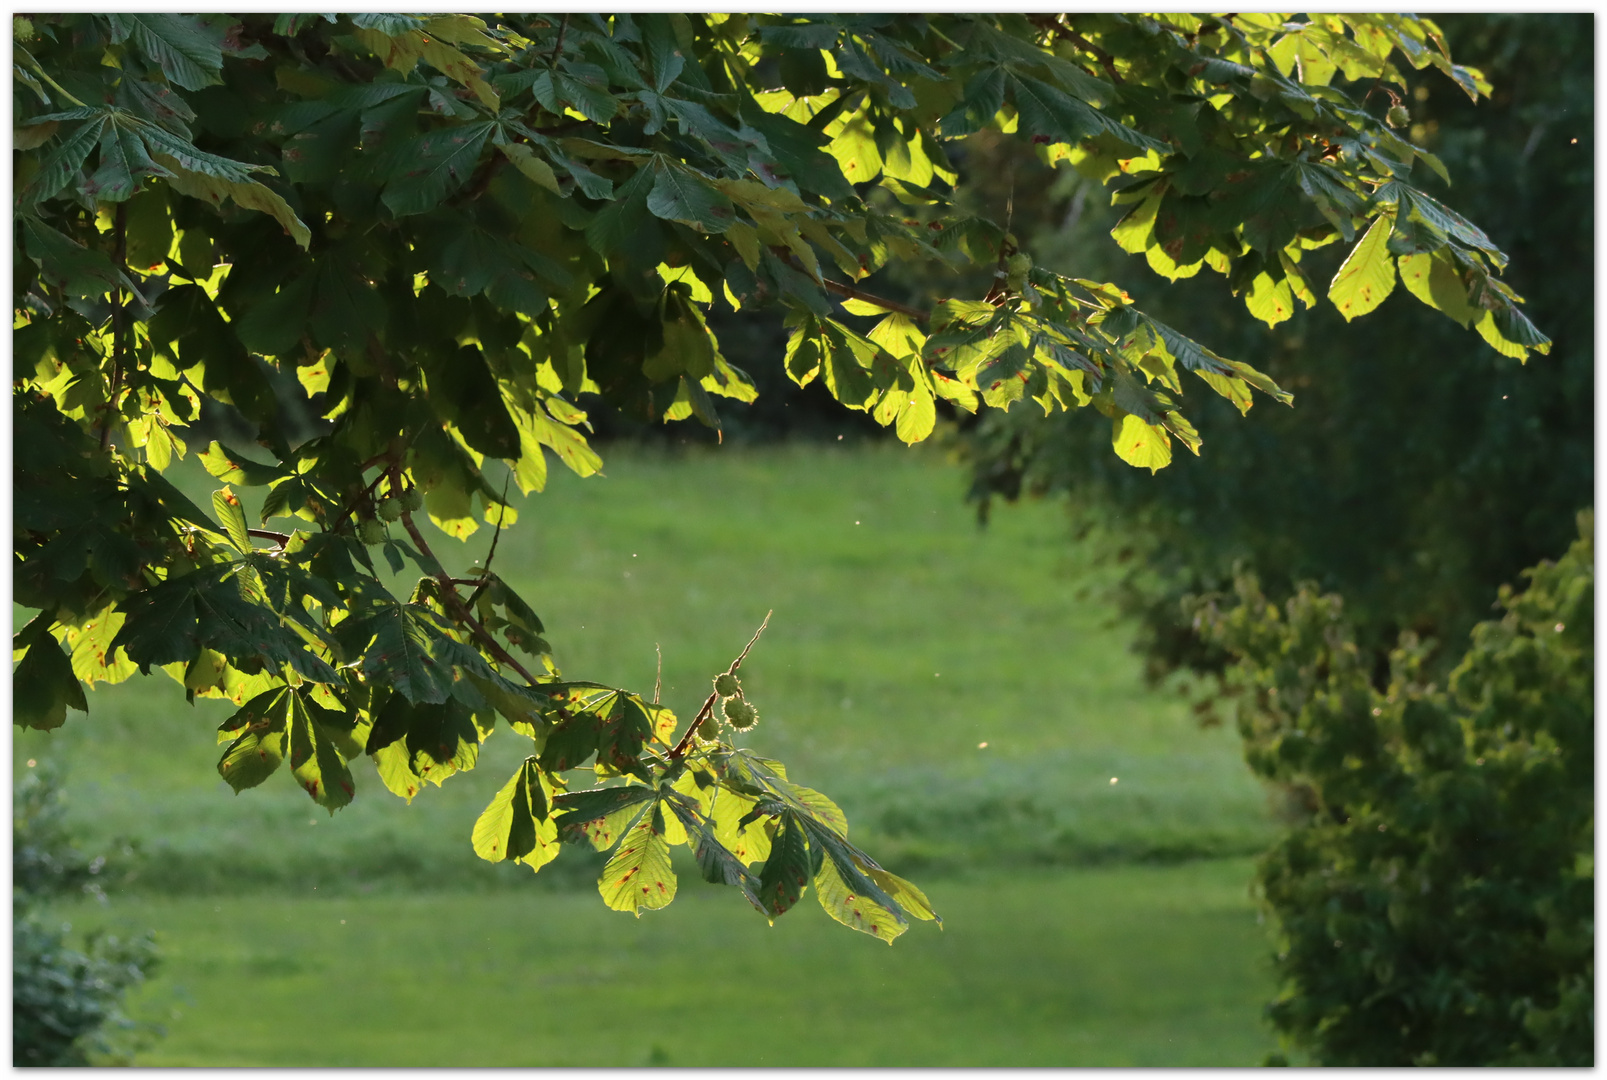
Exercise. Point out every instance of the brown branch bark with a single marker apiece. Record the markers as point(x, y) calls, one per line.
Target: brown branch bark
point(851, 293)
point(708, 703)
point(1101, 55)
point(449, 594)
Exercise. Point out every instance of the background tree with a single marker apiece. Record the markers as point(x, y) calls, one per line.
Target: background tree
point(1431, 473)
point(445, 231)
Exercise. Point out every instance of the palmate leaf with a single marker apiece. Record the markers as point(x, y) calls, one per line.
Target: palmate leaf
point(43, 685)
point(681, 195)
point(65, 161)
point(124, 163)
point(718, 865)
point(212, 607)
point(639, 875)
point(66, 264)
point(185, 54)
point(93, 657)
point(249, 194)
point(600, 816)
point(259, 747)
point(1047, 110)
point(856, 907)
point(314, 761)
point(518, 823)
point(413, 743)
point(399, 646)
point(438, 164)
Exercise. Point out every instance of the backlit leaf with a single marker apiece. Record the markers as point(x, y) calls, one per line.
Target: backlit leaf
point(1367, 275)
point(639, 876)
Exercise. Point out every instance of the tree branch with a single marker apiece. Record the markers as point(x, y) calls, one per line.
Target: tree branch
point(708, 703)
point(851, 293)
point(449, 595)
point(1101, 55)
point(558, 49)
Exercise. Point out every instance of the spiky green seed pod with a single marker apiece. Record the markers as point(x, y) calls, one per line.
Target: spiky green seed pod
point(389, 509)
point(726, 684)
point(708, 730)
point(412, 500)
point(1398, 116)
point(741, 715)
point(371, 532)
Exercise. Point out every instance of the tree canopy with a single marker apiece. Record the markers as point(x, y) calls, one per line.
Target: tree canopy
point(441, 234)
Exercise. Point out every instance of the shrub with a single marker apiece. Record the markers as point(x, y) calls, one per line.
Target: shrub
point(66, 1004)
point(1435, 899)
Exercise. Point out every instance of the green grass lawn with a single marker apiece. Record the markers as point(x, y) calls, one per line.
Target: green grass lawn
point(903, 638)
point(1110, 966)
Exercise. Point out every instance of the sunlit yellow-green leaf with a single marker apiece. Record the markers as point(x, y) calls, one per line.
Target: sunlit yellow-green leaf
point(1367, 275)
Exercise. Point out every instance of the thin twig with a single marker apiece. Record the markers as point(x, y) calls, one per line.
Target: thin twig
point(558, 49)
point(351, 504)
point(1104, 57)
point(708, 703)
point(485, 571)
point(998, 289)
point(119, 322)
point(658, 683)
point(851, 293)
point(264, 534)
point(449, 595)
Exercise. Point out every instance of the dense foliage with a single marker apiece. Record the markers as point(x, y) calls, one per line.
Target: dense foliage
point(66, 1004)
point(442, 232)
point(1436, 901)
point(1420, 470)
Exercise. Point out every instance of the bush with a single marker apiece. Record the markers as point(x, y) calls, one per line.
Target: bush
point(1435, 898)
point(66, 1004)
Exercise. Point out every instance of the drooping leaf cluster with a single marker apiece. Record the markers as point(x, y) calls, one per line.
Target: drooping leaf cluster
point(1435, 900)
point(1421, 469)
point(441, 232)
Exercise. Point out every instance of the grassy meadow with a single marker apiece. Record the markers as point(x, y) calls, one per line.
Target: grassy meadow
point(1087, 922)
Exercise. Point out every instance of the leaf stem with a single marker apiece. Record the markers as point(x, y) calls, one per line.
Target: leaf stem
point(449, 594)
point(43, 74)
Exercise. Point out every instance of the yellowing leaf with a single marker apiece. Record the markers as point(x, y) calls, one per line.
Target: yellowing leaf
point(1433, 279)
point(1135, 232)
point(246, 193)
point(639, 875)
point(1141, 445)
point(525, 160)
point(910, 898)
point(1367, 275)
point(1270, 301)
point(854, 911)
point(92, 656)
point(518, 823)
